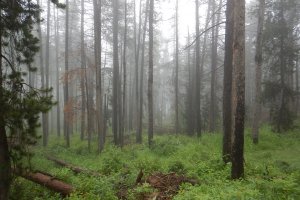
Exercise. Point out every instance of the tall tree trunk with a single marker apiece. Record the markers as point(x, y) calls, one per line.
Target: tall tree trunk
point(137, 55)
point(140, 125)
point(57, 76)
point(227, 90)
point(297, 86)
point(97, 35)
point(150, 75)
point(124, 78)
point(46, 133)
point(238, 90)
point(42, 75)
point(214, 63)
point(190, 93)
point(89, 104)
point(82, 75)
point(5, 173)
point(66, 88)
point(115, 71)
point(258, 71)
point(176, 70)
point(198, 75)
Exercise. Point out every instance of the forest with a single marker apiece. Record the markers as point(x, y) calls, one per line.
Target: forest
point(149, 99)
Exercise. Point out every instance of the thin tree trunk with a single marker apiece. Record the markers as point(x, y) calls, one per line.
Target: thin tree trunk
point(227, 90)
point(83, 63)
point(198, 75)
point(238, 90)
point(66, 88)
point(42, 76)
point(124, 78)
point(140, 126)
point(57, 76)
point(46, 133)
point(297, 86)
point(115, 71)
point(258, 72)
point(190, 89)
point(214, 63)
point(150, 75)
point(137, 56)
point(97, 35)
point(176, 71)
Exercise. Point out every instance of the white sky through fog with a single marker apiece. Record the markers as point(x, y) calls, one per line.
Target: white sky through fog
point(186, 10)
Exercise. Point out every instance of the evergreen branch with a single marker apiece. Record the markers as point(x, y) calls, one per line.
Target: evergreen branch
point(9, 63)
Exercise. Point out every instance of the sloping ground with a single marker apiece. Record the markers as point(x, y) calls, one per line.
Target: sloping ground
point(272, 169)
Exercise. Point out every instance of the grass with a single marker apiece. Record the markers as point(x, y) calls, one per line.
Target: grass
point(272, 168)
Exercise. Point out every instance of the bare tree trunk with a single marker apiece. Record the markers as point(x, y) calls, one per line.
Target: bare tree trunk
point(238, 90)
point(227, 90)
point(88, 108)
point(198, 75)
point(124, 78)
point(49, 182)
point(42, 76)
point(97, 35)
point(57, 76)
point(66, 88)
point(297, 86)
point(83, 63)
point(190, 93)
point(115, 71)
point(140, 126)
point(46, 133)
point(5, 172)
point(214, 63)
point(150, 75)
point(258, 73)
point(137, 56)
point(176, 70)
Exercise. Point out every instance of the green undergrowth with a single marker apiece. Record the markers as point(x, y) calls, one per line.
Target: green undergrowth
point(272, 168)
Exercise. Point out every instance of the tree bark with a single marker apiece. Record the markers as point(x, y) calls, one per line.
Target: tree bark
point(214, 63)
point(49, 182)
point(115, 72)
point(57, 76)
point(227, 90)
point(297, 86)
point(141, 99)
point(238, 90)
point(258, 72)
point(150, 75)
point(124, 78)
point(198, 75)
point(66, 88)
point(82, 76)
point(176, 70)
point(46, 122)
point(97, 43)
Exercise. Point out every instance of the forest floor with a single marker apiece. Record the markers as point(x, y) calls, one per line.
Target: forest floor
point(176, 167)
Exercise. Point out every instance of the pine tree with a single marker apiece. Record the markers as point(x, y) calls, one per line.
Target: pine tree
point(20, 103)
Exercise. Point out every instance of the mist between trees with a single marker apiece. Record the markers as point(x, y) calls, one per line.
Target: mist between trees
point(115, 71)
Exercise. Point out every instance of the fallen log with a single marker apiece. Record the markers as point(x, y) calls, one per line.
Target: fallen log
point(49, 182)
point(73, 168)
